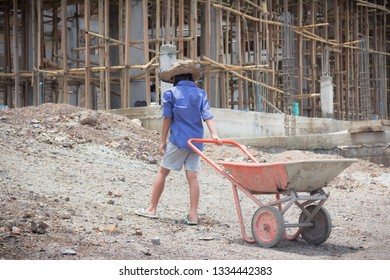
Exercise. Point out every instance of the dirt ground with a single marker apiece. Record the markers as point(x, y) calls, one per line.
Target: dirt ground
point(71, 180)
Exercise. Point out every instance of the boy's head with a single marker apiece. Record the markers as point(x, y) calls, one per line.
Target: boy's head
point(183, 70)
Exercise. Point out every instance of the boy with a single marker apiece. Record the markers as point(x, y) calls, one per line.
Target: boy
point(184, 107)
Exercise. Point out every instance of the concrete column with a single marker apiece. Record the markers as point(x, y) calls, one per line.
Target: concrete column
point(137, 87)
point(167, 58)
point(326, 96)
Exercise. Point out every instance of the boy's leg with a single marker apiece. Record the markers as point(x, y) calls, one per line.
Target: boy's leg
point(192, 178)
point(158, 187)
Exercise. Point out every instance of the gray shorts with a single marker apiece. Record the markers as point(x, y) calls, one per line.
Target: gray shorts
point(175, 158)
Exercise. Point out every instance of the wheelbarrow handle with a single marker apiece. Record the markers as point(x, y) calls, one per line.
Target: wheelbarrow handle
point(214, 141)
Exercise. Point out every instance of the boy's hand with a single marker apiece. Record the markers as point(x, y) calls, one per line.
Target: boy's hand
point(219, 141)
point(161, 149)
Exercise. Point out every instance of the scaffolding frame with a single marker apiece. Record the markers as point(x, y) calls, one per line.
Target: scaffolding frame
point(83, 52)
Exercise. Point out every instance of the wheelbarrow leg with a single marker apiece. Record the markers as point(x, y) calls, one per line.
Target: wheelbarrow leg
point(240, 219)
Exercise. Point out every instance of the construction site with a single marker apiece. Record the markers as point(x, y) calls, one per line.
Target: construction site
point(301, 87)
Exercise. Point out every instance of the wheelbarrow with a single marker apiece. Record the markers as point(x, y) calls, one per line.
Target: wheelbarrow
point(292, 183)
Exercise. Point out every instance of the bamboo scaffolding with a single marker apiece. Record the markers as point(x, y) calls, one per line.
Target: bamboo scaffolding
point(248, 51)
point(247, 79)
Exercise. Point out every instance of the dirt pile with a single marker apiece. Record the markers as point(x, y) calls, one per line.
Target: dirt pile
point(71, 179)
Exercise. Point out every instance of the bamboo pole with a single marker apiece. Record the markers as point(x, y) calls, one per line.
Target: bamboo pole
point(247, 79)
point(300, 53)
point(226, 75)
point(337, 59)
point(87, 11)
point(181, 29)
point(167, 37)
point(355, 65)
point(101, 99)
point(107, 53)
point(39, 52)
point(7, 58)
point(146, 47)
point(121, 47)
point(193, 29)
point(106, 38)
point(238, 56)
point(207, 78)
point(34, 51)
point(55, 48)
point(219, 84)
point(347, 63)
point(64, 48)
point(313, 59)
point(372, 5)
point(16, 55)
point(237, 12)
point(126, 86)
point(270, 47)
point(255, 6)
point(157, 48)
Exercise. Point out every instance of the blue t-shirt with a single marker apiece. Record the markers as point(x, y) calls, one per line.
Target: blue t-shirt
point(187, 105)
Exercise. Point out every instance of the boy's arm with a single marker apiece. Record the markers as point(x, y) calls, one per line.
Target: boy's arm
point(213, 131)
point(164, 134)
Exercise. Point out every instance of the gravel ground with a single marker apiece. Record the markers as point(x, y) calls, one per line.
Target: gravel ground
point(71, 179)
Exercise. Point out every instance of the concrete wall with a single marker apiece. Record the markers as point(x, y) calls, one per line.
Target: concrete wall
point(242, 124)
point(267, 131)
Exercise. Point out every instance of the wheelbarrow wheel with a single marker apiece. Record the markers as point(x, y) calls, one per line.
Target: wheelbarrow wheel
point(322, 226)
point(268, 226)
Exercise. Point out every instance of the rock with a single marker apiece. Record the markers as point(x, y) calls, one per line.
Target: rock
point(39, 227)
point(156, 240)
point(152, 160)
point(88, 118)
point(15, 230)
point(28, 215)
point(137, 122)
point(109, 229)
point(68, 252)
point(65, 216)
point(146, 253)
point(138, 231)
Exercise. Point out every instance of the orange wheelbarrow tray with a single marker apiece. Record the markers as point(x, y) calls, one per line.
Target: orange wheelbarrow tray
point(297, 183)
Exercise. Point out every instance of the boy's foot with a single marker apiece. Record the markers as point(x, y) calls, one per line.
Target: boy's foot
point(142, 212)
point(189, 222)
